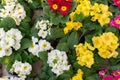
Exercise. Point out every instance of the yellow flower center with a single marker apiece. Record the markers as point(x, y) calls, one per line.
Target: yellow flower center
point(0, 49)
point(55, 6)
point(118, 1)
point(118, 21)
point(9, 4)
point(4, 13)
point(118, 78)
point(32, 46)
point(25, 67)
point(44, 45)
point(63, 8)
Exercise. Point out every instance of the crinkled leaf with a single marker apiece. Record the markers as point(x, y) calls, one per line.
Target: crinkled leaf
point(43, 56)
point(25, 43)
point(56, 33)
point(73, 39)
point(79, 17)
point(63, 47)
point(8, 23)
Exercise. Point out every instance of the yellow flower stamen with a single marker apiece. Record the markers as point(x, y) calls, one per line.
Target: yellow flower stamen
point(55, 6)
point(63, 8)
point(118, 21)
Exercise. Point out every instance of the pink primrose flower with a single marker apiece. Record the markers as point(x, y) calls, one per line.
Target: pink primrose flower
point(116, 22)
point(117, 3)
point(108, 77)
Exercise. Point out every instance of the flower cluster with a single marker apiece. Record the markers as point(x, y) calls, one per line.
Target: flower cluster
point(84, 6)
point(116, 22)
point(101, 13)
point(10, 39)
point(14, 10)
point(72, 25)
point(7, 1)
point(58, 61)
point(11, 78)
point(44, 28)
point(97, 11)
point(78, 76)
point(107, 43)
point(61, 6)
point(117, 3)
point(22, 69)
point(39, 46)
point(84, 54)
point(114, 75)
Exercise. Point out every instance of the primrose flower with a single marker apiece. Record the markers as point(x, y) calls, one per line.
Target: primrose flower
point(116, 22)
point(78, 76)
point(58, 61)
point(117, 3)
point(61, 6)
point(21, 69)
point(108, 77)
point(102, 73)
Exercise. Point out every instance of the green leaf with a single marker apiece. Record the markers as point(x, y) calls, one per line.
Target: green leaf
point(18, 57)
point(63, 47)
point(66, 75)
point(88, 38)
point(112, 29)
point(34, 32)
point(56, 33)
point(24, 56)
point(25, 43)
point(73, 39)
point(64, 19)
point(93, 77)
point(43, 56)
point(56, 19)
point(79, 17)
point(8, 23)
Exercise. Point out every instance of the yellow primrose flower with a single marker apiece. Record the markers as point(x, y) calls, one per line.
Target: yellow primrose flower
point(77, 25)
point(107, 43)
point(89, 46)
point(103, 20)
point(85, 56)
point(78, 76)
point(104, 53)
point(72, 15)
point(97, 42)
point(107, 38)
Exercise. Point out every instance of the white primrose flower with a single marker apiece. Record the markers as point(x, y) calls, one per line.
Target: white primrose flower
point(19, 11)
point(34, 40)
point(44, 45)
point(16, 78)
point(7, 1)
point(41, 25)
point(2, 33)
point(14, 10)
point(22, 69)
point(8, 51)
point(4, 13)
point(17, 20)
point(58, 61)
point(16, 45)
point(26, 68)
point(2, 51)
point(7, 42)
point(9, 6)
point(34, 49)
point(15, 33)
point(42, 33)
